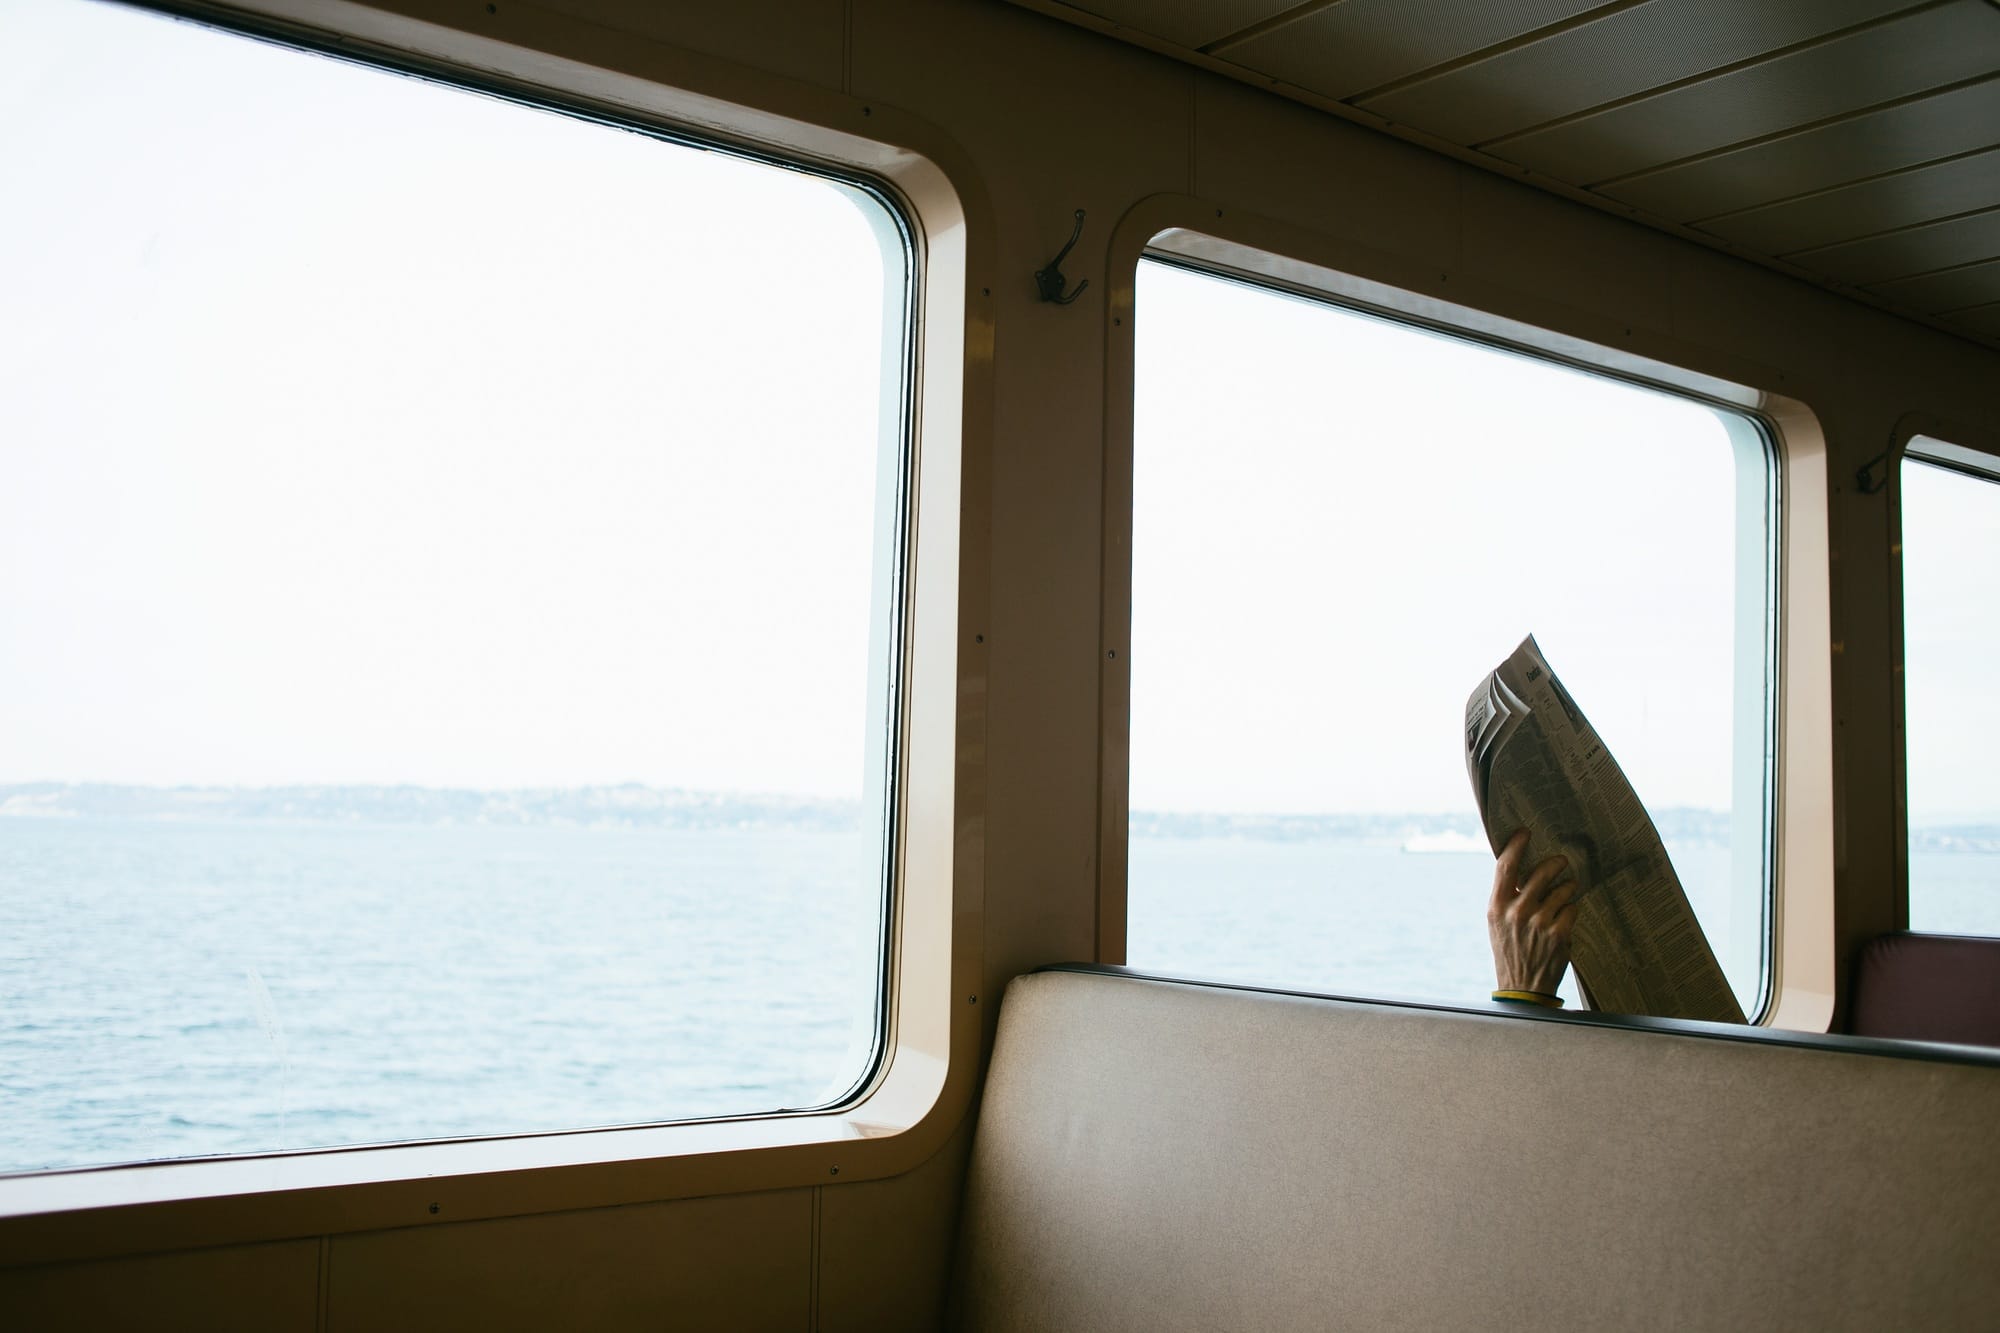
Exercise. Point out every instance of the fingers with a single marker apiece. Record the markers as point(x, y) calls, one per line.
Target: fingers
point(1560, 899)
point(1531, 918)
point(1541, 881)
point(1507, 870)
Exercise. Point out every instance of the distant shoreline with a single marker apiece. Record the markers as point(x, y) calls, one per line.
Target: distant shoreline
point(636, 806)
point(625, 806)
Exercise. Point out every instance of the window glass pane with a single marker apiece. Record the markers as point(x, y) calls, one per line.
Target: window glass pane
point(1341, 525)
point(447, 581)
point(1951, 642)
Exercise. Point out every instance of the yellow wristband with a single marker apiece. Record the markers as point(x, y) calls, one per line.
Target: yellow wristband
point(1529, 997)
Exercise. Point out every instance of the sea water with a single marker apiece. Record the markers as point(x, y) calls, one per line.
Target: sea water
point(180, 988)
point(1350, 916)
point(176, 988)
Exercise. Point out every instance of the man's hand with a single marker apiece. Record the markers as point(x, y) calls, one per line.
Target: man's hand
point(1529, 920)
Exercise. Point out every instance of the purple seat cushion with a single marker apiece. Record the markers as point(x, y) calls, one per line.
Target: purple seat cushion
point(1929, 988)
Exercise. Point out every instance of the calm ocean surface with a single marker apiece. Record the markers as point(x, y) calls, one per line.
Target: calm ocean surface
point(172, 988)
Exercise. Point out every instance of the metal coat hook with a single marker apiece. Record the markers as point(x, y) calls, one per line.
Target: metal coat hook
point(1051, 280)
point(1865, 479)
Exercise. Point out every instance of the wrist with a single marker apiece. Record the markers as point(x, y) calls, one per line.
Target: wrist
point(1541, 980)
point(1517, 995)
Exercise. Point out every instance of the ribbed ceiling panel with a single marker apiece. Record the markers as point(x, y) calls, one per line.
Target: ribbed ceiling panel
point(1855, 143)
point(1918, 53)
point(1866, 208)
point(1953, 289)
point(1908, 251)
point(1190, 23)
point(1906, 134)
point(1984, 321)
point(1622, 54)
point(1356, 46)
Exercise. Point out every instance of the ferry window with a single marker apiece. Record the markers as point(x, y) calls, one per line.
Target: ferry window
point(1951, 641)
point(1341, 524)
point(449, 586)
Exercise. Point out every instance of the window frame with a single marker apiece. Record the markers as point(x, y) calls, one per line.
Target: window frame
point(920, 1080)
point(1955, 446)
point(1798, 947)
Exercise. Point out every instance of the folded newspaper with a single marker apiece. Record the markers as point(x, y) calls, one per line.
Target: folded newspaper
point(1536, 763)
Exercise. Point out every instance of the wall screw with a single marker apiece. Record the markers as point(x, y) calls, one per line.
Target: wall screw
point(833, 1171)
point(434, 1208)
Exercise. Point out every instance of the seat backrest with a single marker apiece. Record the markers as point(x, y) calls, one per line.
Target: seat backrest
point(1928, 988)
point(1163, 1155)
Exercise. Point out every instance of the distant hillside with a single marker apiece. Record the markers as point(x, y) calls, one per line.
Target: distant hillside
point(1676, 824)
point(632, 805)
point(627, 806)
point(1956, 838)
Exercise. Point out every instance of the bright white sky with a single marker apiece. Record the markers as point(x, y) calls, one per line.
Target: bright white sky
point(1951, 643)
point(361, 430)
point(1341, 525)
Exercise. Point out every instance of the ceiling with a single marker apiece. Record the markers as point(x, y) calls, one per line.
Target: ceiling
point(1853, 143)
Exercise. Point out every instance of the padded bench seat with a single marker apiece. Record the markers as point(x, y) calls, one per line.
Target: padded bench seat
point(1158, 1155)
point(1929, 987)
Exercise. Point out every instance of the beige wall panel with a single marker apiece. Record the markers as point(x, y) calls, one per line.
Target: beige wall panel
point(255, 1288)
point(1926, 50)
point(736, 1262)
point(1781, 328)
point(1866, 742)
point(1868, 145)
point(1955, 289)
point(1547, 249)
point(885, 1245)
point(801, 39)
point(1906, 199)
point(1939, 368)
point(1625, 52)
point(1055, 119)
point(1351, 47)
point(1263, 154)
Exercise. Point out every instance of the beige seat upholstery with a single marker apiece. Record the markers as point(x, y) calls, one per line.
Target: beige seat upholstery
point(1161, 1155)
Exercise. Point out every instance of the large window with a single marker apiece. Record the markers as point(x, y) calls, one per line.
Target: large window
point(449, 579)
point(1951, 645)
point(1341, 524)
